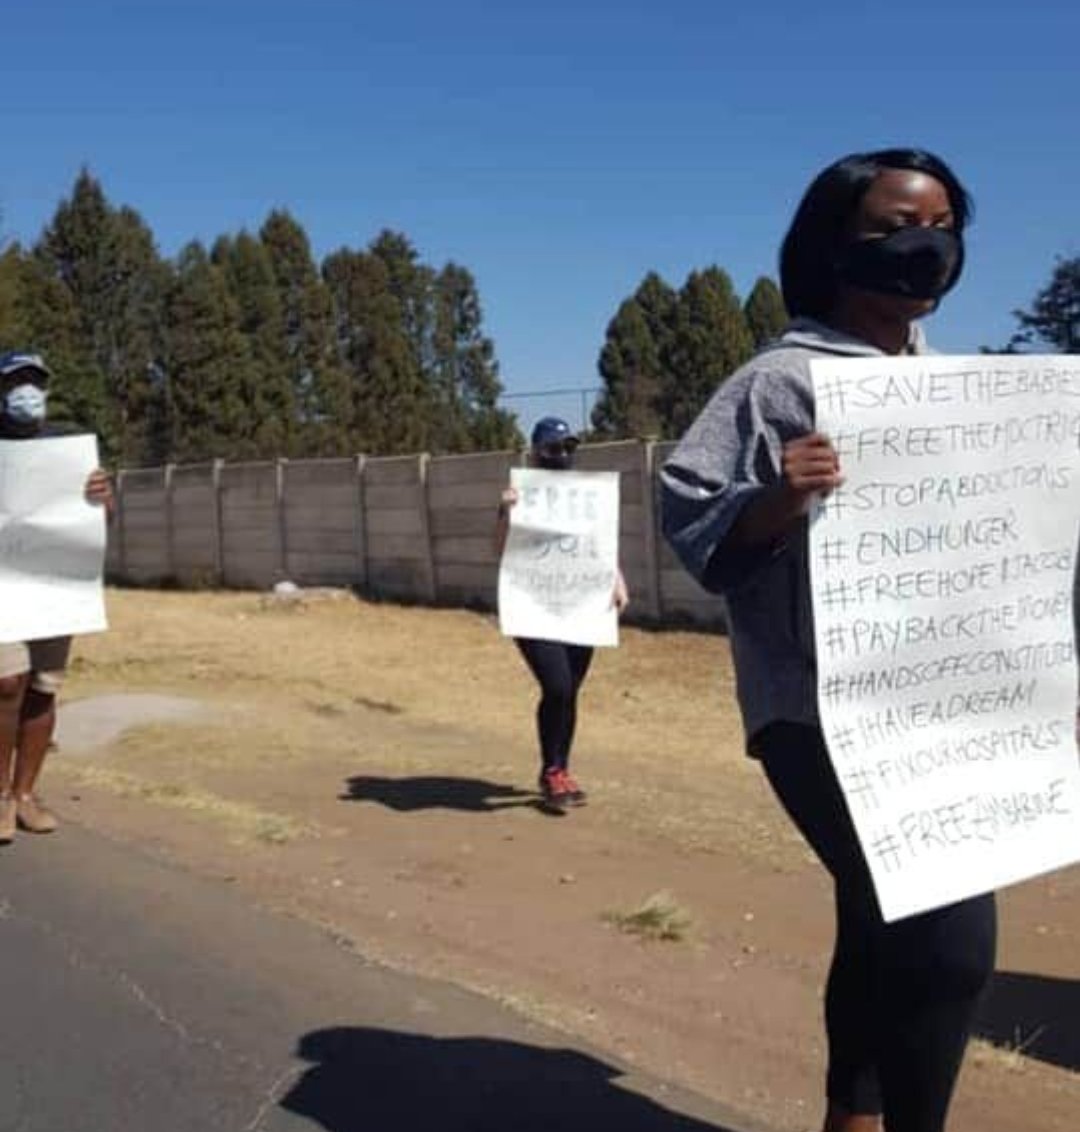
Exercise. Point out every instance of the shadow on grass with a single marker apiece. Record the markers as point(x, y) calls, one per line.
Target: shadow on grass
point(1035, 1014)
point(380, 1080)
point(430, 792)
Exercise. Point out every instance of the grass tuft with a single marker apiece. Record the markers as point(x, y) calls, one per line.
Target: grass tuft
point(1010, 1056)
point(660, 917)
point(242, 818)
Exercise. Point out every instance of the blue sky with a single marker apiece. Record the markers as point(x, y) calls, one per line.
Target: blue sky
point(558, 150)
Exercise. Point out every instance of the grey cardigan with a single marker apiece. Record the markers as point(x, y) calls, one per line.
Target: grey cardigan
point(730, 454)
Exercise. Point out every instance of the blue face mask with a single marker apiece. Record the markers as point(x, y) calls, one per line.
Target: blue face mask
point(25, 404)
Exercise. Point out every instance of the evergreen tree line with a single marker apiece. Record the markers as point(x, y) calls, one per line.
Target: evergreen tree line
point(666, 351)
point(249, 348)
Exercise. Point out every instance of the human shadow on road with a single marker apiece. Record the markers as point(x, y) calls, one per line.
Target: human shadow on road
point(370, 1080)
point(429, 792)
point(1036, 1014)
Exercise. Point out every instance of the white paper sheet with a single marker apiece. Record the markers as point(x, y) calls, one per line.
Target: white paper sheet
point(943, 579)
point(558, 571)
point(52, 542)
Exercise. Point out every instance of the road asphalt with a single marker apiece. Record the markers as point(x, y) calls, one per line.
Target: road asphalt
point(136, 997)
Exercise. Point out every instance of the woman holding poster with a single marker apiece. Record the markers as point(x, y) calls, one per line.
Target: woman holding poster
point(559, 667)
point(31, 672)
point(874, 245)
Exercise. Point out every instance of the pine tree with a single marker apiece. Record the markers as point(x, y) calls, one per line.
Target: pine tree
point(14, 334)
point(212, 395)
point(391, 403)
point(635, 362)
point(412, 285)
point(1054, 318)
point(130, 349)
point(108, 263)
point(632, 372)
point(659, 304)
point(249, 275)
point(320, 384)
point(765, 313)
point(465, 372)
point(711, 339)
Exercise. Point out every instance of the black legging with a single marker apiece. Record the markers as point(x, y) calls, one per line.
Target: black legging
point(560, 670)
point(901, 997)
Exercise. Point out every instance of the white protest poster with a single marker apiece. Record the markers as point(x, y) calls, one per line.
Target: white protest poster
point(52, 542)
point(943, 575)
point(558, 571)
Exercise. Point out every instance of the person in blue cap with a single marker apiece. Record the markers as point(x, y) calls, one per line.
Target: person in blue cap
point(560, 667)
point(31, 672)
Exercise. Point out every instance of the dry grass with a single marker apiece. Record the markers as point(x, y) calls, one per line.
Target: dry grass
point(1012, 1057)
point(444, 663)
point(660, 917)
point(361, 685)
point(243, 821)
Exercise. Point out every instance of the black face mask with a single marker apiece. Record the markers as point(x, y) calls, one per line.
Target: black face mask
point(555, 462)
point(912, 263)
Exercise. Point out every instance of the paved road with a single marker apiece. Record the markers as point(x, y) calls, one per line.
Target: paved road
point(137, 998)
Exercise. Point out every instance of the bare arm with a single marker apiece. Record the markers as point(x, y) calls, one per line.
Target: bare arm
point(502, 519)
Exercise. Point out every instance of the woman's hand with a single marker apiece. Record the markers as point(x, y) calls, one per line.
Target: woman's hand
point(620, 597)
point(810, 466)
point(508, 499)
point(98, 490)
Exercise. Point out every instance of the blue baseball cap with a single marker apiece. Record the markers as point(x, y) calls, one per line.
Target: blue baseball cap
point(552, 430)
point(15, 360)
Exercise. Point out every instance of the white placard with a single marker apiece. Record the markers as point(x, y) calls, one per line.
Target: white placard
point(558, 571)
point(52, 542)
point(943, 579)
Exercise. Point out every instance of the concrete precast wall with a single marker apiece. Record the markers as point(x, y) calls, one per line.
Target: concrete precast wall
point(411, 528)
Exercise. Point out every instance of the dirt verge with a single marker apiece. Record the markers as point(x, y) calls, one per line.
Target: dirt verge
point(371, 768)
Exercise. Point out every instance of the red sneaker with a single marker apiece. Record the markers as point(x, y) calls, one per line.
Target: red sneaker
point(574, 794)
point(553, 786)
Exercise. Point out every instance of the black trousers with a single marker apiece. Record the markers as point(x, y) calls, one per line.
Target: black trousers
point(560, 670)
point(901, 997)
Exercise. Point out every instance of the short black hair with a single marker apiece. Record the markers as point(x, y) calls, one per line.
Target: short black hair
point(808, 273)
